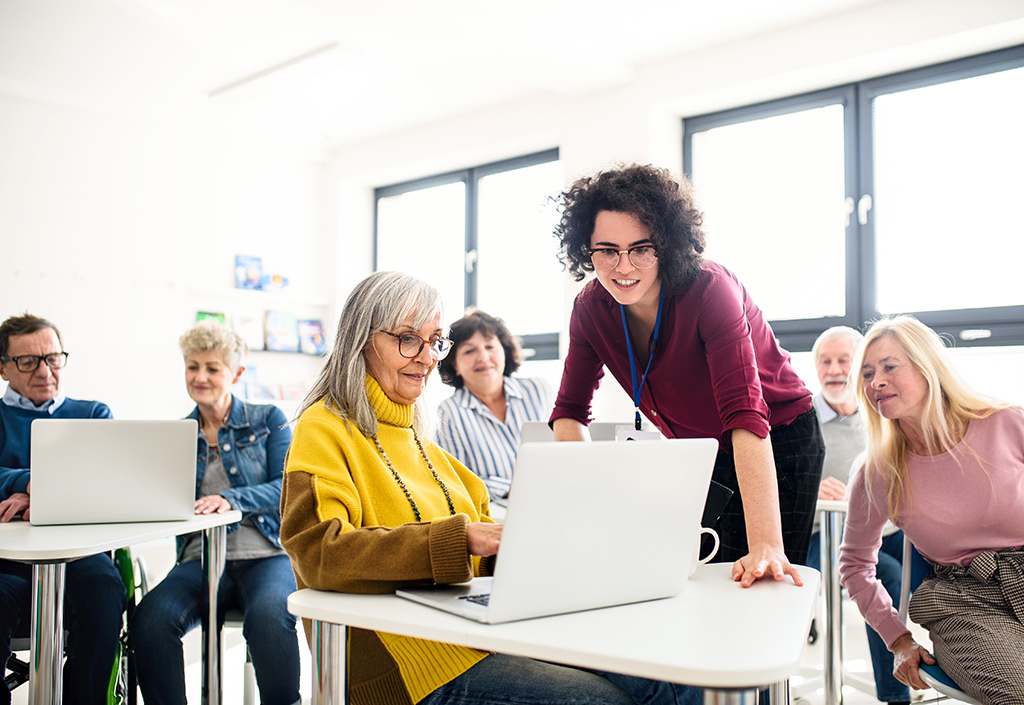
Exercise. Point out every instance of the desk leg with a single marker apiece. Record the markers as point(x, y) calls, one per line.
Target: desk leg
point(778, 693)
point(330, 664)
point(730, 697)
point(46, 670)
point(831, 534)
point(214, 541)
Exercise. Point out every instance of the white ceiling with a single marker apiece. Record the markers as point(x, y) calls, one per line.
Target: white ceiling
point(335, 71)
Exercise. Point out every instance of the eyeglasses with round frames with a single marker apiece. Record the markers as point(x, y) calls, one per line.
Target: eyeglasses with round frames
point(410, 345)
point(641, 256)
point(29, 363)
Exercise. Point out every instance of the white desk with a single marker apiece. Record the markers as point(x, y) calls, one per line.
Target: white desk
point(717, 635)
point(49, 548)
point(833, 512)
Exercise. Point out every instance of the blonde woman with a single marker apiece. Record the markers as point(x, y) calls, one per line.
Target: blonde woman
point(946, 465)
point(239, 465)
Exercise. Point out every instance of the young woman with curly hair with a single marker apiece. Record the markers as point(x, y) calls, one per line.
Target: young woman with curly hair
point(685, 340)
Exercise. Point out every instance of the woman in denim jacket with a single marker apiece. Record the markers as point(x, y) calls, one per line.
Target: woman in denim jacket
point(240, 469)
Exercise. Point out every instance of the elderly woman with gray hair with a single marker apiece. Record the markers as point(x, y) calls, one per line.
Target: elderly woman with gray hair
point(239, 464)
point(370, 504)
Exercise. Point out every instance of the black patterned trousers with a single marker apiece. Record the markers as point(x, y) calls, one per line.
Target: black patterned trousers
point(799, 452)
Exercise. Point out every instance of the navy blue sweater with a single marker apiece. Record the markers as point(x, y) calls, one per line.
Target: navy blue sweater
point(15, 448)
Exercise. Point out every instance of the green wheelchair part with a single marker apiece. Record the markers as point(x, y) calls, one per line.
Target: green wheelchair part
point(121, 688)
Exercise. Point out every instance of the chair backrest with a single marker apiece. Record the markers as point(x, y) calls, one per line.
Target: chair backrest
point(916, 569)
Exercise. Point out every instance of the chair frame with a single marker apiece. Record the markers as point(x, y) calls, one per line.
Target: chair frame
point(933, 675)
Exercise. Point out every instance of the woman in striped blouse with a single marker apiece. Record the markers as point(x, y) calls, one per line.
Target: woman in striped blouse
point(481, 423)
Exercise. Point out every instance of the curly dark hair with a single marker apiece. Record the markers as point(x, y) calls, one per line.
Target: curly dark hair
point(660, 201)
point(465, 328)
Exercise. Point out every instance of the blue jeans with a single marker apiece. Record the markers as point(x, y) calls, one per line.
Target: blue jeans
point(513, 680)
point(94, 603)
point(260, 588)
point(890, 571)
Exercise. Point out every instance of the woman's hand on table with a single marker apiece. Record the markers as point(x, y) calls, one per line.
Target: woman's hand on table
point(483, 539)
point(212, 504)
point(761, 562)
point(907, 656)
point(832, 488)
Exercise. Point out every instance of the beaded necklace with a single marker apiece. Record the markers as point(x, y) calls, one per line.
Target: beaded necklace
point(401, 483)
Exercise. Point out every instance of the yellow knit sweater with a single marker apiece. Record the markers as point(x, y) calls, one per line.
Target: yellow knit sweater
point(348, 527)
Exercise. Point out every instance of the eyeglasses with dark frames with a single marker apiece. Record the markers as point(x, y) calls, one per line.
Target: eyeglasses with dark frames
point(410, 345)
point(29, 363)
point(641, 256)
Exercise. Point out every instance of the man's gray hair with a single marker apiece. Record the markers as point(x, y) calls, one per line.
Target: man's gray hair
point(382, 301)
point(852, 334)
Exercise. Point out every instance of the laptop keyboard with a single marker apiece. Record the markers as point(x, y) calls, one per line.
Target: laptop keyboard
point(482, 599)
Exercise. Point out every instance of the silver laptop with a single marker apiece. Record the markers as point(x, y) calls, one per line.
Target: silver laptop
point(539, 431)
point(590, 525)
point(102, 471)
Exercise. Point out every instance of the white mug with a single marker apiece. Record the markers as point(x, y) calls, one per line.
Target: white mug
point(697, 560)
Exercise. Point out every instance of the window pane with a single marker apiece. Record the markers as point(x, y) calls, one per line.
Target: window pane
point(947, 186)
point(520, 278)
point(773, 195)
point(423, 233)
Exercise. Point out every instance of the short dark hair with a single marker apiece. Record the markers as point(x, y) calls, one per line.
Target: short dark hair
point(468, 326)
point(23, 325)
point(663, 203)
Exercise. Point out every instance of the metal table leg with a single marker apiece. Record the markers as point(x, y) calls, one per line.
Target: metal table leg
point(730, 696)
point(831, 534)
point(330, 664)
point(46, 670)
point(214, 541)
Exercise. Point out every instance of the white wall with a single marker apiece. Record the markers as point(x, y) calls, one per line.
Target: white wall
point(642, 120)
point(119, 230)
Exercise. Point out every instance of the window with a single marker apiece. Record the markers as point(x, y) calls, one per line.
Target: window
point(895, 195)
point(484, 237)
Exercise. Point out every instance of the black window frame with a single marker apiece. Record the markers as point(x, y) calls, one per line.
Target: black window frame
point(541, 346)
point(1003, 325)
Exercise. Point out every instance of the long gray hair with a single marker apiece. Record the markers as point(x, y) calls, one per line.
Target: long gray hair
point(382, 301)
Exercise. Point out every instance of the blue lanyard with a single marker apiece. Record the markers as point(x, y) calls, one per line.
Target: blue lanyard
point(637, 388)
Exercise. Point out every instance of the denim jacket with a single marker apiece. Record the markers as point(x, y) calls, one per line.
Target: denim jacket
point(253, 445)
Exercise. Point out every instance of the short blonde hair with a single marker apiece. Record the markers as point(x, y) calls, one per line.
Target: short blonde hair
point(212, 337)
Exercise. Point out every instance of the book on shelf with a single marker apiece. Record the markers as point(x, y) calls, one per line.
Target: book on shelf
point(248, 272)
point(211, 315)
point(281, 331)
point(311, 337)
point(249, 326)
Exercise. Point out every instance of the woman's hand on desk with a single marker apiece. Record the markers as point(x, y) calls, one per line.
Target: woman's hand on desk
point(764, 562)
point(14, 505)
point(832, 488)
point(907, 655)
point(212, 504)
point(483, 539)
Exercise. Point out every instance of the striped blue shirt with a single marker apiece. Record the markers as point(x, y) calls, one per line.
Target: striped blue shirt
point(468, 430)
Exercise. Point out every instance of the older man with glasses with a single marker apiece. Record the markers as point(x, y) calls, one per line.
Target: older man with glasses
point(32, 360)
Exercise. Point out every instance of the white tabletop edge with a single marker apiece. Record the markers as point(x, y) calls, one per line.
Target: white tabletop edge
point(733, 651)
point(21, 541)
point(832, 505)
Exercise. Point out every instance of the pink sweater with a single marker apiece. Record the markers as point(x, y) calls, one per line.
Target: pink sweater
point(959, 504)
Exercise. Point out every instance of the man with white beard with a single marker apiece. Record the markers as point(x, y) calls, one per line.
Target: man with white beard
point(843, 429)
